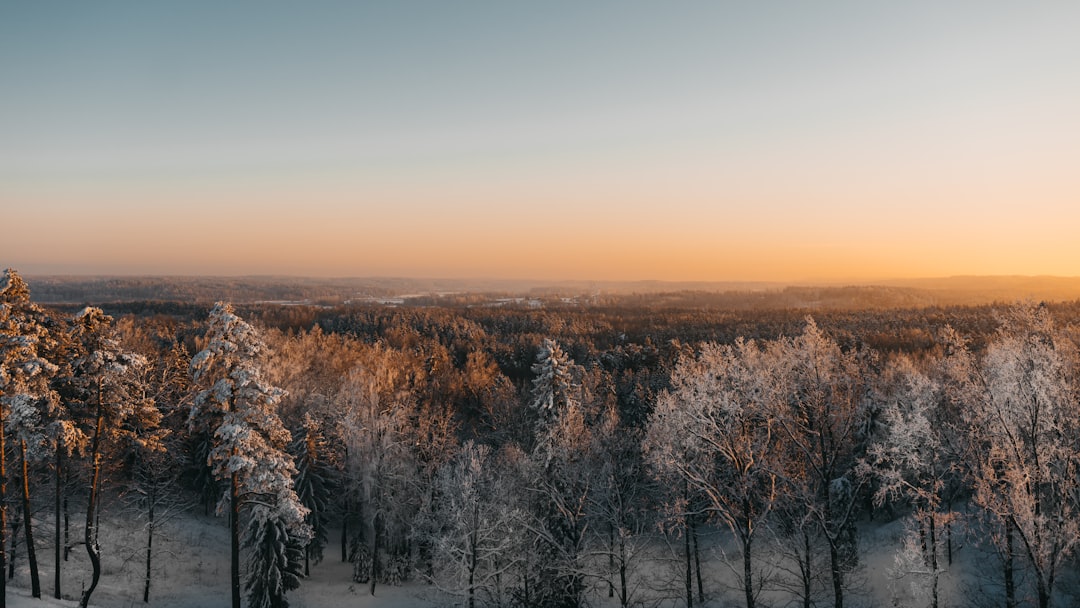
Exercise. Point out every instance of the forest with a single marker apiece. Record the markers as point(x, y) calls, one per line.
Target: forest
point(608, 453)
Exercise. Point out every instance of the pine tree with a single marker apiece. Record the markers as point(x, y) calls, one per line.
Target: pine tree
point(65, 437)
point(563, 475)
point(249, 452)
point(554, 387)
point(25, 399)
point(116, 411)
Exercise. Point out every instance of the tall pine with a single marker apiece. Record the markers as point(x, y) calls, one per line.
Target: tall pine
point(249, 453)
point(115, 412)
point(24, 396)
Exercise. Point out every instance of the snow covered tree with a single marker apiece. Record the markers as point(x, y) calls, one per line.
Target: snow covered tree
point(911, 461)
point(822, 421)
point(249, 452)
point(379, 466)
point(562, 476)
point(715, 431)
point(1022, 409)
point(114, 409)
point(151, 468)
point(474, 528)
point(556, 388)
point(65, 437)
point(25, 398)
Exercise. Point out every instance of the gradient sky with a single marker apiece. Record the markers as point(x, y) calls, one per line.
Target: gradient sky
point(546, 140)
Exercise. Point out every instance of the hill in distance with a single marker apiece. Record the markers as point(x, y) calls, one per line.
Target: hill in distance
point(908, 293)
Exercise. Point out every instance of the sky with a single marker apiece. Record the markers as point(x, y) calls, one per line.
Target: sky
point(603, 140)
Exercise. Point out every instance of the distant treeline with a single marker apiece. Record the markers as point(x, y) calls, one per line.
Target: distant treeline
point(652, 294)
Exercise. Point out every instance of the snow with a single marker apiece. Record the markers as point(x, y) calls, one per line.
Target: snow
point(20, 598)
point(192, 571)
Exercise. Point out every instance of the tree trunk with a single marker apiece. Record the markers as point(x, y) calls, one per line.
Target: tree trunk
point(748, 581)
point(473, 550)
point(345, 532)
point(611, 559)
point(92, 548)
point(624, 596)
point(1010, 582)
point(837, 575)
point(3, 514)
point(31, 553)
point(56, 540)
point(15, 523)
point(234, 539)
point(807, 575)
point(933, 563)
point(149, 543)
point(697, 562)
point(948, 541)
point(67, 530)
point(374, 551)
point(525, 583)
point(472, 571)
point(345, 516)
point(689, 564)
point(948, 532)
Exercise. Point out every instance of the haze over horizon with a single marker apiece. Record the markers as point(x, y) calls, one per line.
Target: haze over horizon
point(621, 141)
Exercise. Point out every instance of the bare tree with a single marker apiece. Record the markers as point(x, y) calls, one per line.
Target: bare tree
point(715, 429)
point(822, 420)
point(911, 461)
point(474, 528)
point(1022, 409)
point(621, 506)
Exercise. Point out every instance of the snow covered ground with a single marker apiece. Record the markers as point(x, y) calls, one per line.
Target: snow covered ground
point(192, 571)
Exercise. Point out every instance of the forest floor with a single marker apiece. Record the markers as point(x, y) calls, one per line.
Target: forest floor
point(191, 570)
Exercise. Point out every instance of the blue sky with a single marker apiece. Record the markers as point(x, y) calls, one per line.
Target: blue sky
point(626, 140)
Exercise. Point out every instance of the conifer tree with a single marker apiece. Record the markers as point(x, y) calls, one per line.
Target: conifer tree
point(563, 475)
point(24, 397)
point(313, 485)
point(115, 410)
point(249, 452)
